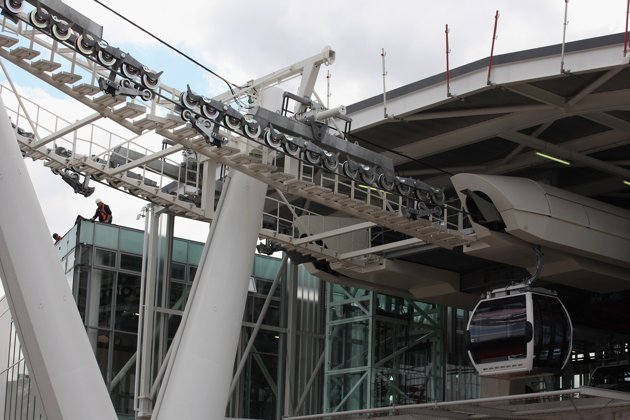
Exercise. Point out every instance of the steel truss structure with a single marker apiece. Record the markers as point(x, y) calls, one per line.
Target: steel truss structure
point(299, 153)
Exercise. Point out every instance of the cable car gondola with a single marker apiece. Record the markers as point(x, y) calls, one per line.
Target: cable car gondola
point(519, 330)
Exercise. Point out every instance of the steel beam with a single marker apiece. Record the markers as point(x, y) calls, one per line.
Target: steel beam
point(58, 354)
point(204, 360)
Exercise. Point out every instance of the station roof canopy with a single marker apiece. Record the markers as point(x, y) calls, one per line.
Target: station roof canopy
point(570, 103)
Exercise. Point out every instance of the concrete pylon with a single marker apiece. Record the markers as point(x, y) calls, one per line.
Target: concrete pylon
point(197, 387)
point(57, 351)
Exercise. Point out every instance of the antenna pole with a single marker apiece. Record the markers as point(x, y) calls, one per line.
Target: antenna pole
point(494, 37)
point(448, 77)
point(625, 35)
point(328, 89)
point(383, 53)
point(564, 35)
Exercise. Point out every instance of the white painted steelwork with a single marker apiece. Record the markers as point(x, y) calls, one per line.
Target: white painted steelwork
point(197, 387)
point(60, 359)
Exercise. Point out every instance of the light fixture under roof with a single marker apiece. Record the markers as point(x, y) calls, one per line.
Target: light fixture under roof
point(555, 159)
point(625, 181)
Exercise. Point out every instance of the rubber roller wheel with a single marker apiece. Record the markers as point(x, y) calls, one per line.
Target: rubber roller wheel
point(438, 198)
point(150, 82)
point(82, 47)
point(291, 148)
point(273, 139)
point(403, 189)
point(187, 115)
point(422, 195)
point(232, 123)
point(13, 6)
point(105, 58)
point(146, 95)
point(350, 171)
point(368, 176)
point(187, 101)
point(252, 129)
point(39, 22)
point(313, 158)
point(209, 112)
point(386, 183)
point(330, 162)
point(129, 71)
point(61, 34)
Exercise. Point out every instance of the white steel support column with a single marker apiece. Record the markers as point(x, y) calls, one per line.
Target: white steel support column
point(144, 362)
point(58, 354)
point(197, 387)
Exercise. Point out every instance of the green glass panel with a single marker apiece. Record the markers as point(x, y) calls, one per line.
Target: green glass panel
point(87, 233)
point(180, 250)
point(266, 267)
point(106, 236)
point(194, 252)
point(131, 241)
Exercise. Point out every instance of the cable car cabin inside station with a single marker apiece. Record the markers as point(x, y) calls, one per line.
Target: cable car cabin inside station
point(519, 331)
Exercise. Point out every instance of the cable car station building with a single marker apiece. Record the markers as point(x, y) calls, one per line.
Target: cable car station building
point(461, 249)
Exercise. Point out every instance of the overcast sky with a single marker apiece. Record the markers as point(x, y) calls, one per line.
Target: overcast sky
point(243, 40)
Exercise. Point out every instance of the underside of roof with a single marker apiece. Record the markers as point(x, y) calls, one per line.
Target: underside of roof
point(574, 106)
point(571, 103)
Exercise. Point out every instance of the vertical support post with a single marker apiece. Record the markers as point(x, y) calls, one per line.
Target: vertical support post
point(208, 187)
point(61, 363)
point(282, 343)
point(204, 359)
point(148, 284)
point(371, 372)
point(564, 36)
point(494, 37)
point(448, 70)
point(291, 337)
point(625, 34)
point(165, 276)
point(383, 54)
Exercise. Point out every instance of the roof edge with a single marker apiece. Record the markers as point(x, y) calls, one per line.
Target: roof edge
point(539, 52)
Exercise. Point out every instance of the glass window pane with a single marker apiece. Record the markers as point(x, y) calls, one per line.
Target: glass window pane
point(192, 271)
point(100, 299)
point(194, 252)
point(85, 255)
point(106, 236)
point(87, 233)
point(498, 330)
point(266, 267)
point(127, 302)
point(130, 262)
point(99, 339)
point(70, 260)
point(105, 258)
point(82, 285)
point(178, 271)
point(180, 250)
point(349, 345)
point(123, 394)
point(175, 292)
point(131, 241)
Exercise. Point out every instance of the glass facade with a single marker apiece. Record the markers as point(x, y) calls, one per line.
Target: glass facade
point(384, 350)
point(321, 347)
point(103, 265)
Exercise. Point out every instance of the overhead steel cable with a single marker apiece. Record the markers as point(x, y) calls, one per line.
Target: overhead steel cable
point(395, 152)
point(178, 51)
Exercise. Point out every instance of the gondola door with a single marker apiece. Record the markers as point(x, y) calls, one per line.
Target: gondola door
point(500, 335)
